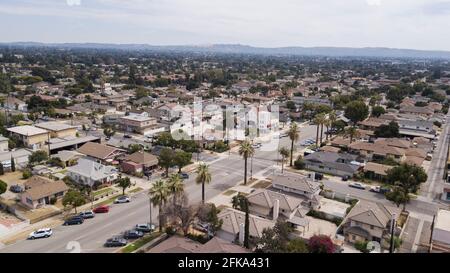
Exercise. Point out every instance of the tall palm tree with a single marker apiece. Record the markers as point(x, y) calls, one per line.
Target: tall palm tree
point(246, 150)
point(319, 120)
point(203, 177)
point(158, 196)
point(175, 186)
point(241, 202)
point(284, 152)
point(293, 136)
point(332, 117)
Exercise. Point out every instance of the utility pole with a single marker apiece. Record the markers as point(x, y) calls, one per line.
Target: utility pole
point(150, 203)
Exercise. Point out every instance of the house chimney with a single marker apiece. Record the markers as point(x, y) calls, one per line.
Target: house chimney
point(241, 233)
point(276, 209)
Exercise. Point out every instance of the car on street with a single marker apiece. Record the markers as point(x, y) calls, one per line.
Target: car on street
point(127, 136)
point(115, 242)
point(87, 214)
point(101, 209)
point(144, 228)
point(76, 220)
point(357, 185)
point(184, 175)
point(379, 189)
point(133, 234)
point(122, 199)
point(16, 189)
point(257, 145)
point(40, 233)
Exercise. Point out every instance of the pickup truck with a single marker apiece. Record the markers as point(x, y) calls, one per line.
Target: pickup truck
point(379, 189)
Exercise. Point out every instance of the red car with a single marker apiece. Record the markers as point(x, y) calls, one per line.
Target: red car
point(101, 209)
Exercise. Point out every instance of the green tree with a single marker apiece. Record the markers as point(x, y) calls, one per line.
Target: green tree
point(284, 152)
point(356, 111)
point(352, 133)
point(297, 246)
point(13, 164)
point(3, 187)
point(377, 111)
point(38, 156)
point(141, 92)
point(293, 136)
point(109, 132)
point(166, 159)
point(246, 150)
point(124, 183)
point(182, 159)
point(319, 120)
point(133, 148)
point(388, 131)
point(74, 199)
point(203, 177)
point(2, 170)
point(158, 196)
point(175, 186)
point(276, 239)
point(241, 202)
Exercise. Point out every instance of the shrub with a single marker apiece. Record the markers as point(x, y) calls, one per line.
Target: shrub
point(27, 174)
point(53, 200)
point(3, 186)
point(320, 215)
point(170, 230)
point(299, 164)
point(321, 244)
point(361, 246)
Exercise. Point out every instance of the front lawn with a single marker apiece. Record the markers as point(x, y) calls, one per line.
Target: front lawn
point(140, 242)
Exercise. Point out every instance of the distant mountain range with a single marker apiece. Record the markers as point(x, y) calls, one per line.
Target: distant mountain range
point(243, 49)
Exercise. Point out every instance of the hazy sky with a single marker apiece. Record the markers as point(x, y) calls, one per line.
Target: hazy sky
point(418, 24)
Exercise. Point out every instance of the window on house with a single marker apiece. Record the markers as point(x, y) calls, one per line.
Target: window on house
point(372, 227)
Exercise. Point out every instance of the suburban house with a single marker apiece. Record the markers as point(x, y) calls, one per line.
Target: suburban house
point(415, 110)
point(40, 191)
point(416, 128)
point(68, 157)
point(20, 157)
point(376, 171)
point(90, 173)
point(302, 186)
point(368, 221)
point(137, 123)
point(233, 225)
point(440, 239)
point(100, 152)
point(338, 164)
point(4, 144)
point(57, 129)
point(31, 136)
point(273, 205)
point(13, 103)
point(377, 152)
point(178, 244)
point(139, 162)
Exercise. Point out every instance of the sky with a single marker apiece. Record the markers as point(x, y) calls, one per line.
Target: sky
point(412, 24)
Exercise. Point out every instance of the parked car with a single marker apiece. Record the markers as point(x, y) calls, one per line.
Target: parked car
point(184, 175)
point(40, 233)
point(76, 220)
point(87, 214)
point(133, 234)
point(122, 199)
point(101, 209)
point(357, 185)
point(116, 242)
point(345, 178)
point(16, 188)
point(379, 189)
point(127, 136)
point(144, 228)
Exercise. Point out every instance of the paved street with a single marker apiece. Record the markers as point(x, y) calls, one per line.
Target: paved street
point(226, 172)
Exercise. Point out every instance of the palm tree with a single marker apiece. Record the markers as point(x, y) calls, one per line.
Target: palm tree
point(351, 132)
point(284, 152)
point(319, 120)
point(293, 136)
point(246, 150)
point(332, 117)
point(158, 194)
point(175, 186)
point(203, 177)
point(241, 202)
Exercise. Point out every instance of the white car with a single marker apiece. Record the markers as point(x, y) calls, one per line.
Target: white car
point(357, 185)
point(41, 233)
point(122, 199)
